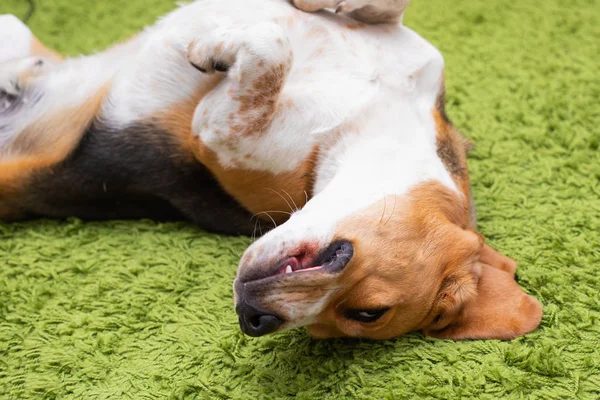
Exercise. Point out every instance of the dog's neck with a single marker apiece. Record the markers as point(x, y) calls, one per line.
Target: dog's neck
point(378, 156)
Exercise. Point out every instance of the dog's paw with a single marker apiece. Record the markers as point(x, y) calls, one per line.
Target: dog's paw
point(374, 11)
point(220, 50)
point(347, 6)
point(315, 5)
point(15, 76)
point(15, 38)
point(214, 52)
point(24, 68)
point(340, 6)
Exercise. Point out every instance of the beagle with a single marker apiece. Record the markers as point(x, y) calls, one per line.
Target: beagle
point(330, 124)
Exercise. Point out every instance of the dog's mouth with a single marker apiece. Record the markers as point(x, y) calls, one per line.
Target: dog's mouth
point(264, 304)
point(333, 259)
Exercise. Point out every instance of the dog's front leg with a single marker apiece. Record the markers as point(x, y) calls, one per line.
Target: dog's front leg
point(255, 62)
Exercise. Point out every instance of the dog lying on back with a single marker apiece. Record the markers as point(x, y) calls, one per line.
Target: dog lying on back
point(332, 126)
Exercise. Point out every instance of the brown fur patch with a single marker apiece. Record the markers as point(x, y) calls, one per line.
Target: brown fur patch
point(446, 150)
point(259, 191)
point(450, 143)
point(56, 136)
point(353, 27)
point(258, 104)
point(14, 172)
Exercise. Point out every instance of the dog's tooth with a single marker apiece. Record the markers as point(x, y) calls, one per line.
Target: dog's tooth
point(288, 269)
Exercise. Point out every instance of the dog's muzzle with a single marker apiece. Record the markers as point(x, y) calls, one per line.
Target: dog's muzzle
point(292, 274)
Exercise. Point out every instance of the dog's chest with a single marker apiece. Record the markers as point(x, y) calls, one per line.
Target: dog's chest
point(331, 81)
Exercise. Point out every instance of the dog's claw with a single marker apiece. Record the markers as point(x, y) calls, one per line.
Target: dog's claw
point(199, 68)
point(340, 7)
point(220, 66)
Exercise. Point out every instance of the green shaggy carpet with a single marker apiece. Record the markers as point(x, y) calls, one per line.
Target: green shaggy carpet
point(143, 310)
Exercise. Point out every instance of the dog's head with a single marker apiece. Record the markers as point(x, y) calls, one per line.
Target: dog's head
point(404, 264)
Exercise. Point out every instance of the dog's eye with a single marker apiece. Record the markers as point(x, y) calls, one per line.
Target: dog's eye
point(365, 315)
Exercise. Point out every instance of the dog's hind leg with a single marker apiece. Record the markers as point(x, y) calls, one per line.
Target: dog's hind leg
point(369, 11)
point(17, 41)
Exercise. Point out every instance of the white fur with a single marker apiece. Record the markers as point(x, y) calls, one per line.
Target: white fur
point(15, 38)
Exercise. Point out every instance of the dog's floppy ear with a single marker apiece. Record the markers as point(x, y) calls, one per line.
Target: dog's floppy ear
point(489, 305)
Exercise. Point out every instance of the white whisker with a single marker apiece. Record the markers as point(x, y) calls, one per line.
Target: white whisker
point(384, 208)
point(292, 199)
point(269, 215)
point(393, 209)
point(284, 199)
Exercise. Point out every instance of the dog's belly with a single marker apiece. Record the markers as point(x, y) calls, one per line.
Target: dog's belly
point(341, 69)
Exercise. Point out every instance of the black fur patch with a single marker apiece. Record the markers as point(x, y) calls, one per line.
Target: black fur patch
point(440, 105)
point(446, 152)
point(138, 172)
point(445, 143)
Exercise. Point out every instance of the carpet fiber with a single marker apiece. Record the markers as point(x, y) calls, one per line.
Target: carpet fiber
point(143, 310)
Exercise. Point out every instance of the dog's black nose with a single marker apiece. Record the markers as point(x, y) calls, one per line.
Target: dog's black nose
point(255, 321)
